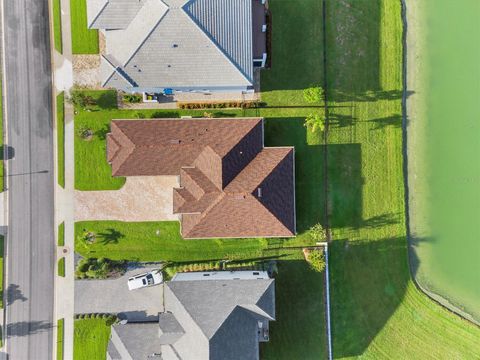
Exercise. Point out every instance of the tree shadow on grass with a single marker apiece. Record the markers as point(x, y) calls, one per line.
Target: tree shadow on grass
point(107, 100)
point(394, 121)
point(110, 236)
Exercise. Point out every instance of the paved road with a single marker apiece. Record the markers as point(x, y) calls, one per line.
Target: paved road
point(31, 242)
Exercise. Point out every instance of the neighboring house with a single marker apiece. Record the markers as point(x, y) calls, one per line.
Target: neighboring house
point(204, 318)
point(169, 46)
point(231, 185)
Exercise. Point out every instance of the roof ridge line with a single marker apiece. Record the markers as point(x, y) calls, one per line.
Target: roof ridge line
point(149, 33)
point(217, 46)
point(98, 14)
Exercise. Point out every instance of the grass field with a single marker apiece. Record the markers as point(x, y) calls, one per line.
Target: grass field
point(61, 139)
point(84, 40)
point(91, 339)
point(60, 338)
point(61, 267)
point(61, 234)
point(57, 26)
point(376, 310)
point(299, 329)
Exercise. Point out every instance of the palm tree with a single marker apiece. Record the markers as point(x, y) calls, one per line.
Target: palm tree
point(315, 122)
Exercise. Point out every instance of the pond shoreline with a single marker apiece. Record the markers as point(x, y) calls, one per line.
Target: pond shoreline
point(414, 125)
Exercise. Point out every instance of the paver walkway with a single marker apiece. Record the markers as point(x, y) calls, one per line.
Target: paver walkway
point(142, 198)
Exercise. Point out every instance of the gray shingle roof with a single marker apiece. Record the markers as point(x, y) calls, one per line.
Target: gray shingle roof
point(209, 319)
point(179, 43)
point(211, 302)
point(229, 24)
point(115, 14)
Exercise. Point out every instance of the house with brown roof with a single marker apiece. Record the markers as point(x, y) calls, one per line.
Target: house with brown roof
point(230, 184)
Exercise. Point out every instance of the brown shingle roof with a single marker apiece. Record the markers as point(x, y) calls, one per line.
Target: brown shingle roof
point(153, 147)
point(230, 185)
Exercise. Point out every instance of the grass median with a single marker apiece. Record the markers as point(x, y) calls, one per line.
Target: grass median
point(61, 139)
point(57, 26)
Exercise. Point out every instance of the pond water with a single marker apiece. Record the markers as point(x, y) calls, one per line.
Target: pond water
point(448, 245)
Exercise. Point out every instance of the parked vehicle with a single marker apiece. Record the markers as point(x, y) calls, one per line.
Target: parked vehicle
point(151, 278)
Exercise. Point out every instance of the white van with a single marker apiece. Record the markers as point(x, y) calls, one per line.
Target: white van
point(151, 278)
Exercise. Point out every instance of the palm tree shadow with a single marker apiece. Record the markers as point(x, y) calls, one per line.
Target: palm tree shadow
point(110, 236)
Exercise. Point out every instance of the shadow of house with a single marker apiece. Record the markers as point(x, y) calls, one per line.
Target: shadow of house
point(363, 298)
point(309, 168)
point(294, 48)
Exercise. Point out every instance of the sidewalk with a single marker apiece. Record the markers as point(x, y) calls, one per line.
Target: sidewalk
point(64, 286)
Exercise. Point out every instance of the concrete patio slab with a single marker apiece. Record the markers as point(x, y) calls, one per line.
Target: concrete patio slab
point(142, 198)
point(113, 296)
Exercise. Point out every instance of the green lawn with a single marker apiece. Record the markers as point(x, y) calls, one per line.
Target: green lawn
point(60, 337)
point(84, 40)
point(299, 329)
point(61, 234)
point(57, 26)
point(61, 267)
point(376, 310)
point(61, 139)
point(91, 339)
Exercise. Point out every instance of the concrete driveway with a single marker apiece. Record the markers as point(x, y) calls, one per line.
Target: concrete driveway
point(142, 198)
point(113, 296)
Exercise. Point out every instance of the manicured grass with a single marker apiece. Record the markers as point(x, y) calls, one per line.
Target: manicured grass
point(57, 26)
point(155, 241)
point(84, 40)
point(376, 310)
point(61, 267)
point(299, 329)
point(91, 339)
point(61, 139)
point(2, 238)
point(60, 338)
point(61, 234)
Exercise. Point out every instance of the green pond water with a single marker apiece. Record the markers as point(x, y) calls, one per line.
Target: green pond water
point(449, 258)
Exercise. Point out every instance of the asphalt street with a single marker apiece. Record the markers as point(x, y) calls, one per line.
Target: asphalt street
point(30, 182)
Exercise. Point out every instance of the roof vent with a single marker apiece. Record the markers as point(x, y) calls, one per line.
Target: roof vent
point(259, 192)
point(175, 46)
point(175, 141)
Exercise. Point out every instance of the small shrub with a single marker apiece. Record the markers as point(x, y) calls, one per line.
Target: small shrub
point(317, 233)
point(85, 133)
point(315, 122)
point(140, 115)
point(93, 269)
point(313, 94)
point(132, 98)
point(316, 259)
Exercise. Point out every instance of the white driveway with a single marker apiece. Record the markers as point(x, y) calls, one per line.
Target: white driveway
point(113, 296)
point(142, 198)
